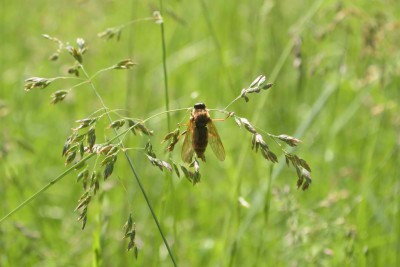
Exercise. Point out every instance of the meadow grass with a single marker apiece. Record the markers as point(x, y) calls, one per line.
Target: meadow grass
point(335, 71)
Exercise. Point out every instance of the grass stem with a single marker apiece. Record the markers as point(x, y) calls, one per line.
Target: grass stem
point(134, 172)
point(164, 60)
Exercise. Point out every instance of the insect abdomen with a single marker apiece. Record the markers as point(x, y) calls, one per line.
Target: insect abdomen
point(200, 141)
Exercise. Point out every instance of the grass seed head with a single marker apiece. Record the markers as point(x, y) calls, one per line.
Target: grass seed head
point(58, 96)
point(117, 124)
point(125, 64)
point(36, 82)
point(291, 141)
point(110, 33)
point(108, 170)
point(91, 137)
point(157, 17)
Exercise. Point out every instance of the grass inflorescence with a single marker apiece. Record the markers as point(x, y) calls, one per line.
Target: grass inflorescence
point(329, 104)
point(83, 143)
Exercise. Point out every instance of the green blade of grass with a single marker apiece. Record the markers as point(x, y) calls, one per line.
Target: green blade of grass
point(44, 188)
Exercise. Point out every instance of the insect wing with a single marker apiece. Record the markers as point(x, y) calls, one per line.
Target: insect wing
point(215, 141)
point(187, 148)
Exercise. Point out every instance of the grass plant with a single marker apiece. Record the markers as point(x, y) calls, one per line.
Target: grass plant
point(334, 69)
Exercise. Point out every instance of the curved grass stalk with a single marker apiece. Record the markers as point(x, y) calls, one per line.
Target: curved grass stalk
point(43, 189)
point(58, 178)
point(318, 106)
point(136, 21)
point(257, 113)
point(134, 172)
point(72, 168)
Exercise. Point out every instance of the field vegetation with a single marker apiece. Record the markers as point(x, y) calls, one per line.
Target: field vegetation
point(82, 78)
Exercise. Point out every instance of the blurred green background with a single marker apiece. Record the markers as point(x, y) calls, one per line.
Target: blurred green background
point(335, 66)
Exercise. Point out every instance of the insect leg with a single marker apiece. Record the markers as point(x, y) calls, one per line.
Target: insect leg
point(182, 134)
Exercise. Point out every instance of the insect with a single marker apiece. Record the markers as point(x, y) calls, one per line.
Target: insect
point(201, 131)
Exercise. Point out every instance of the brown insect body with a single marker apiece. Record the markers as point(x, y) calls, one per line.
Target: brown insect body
point(200, 132)
point(200, 118)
